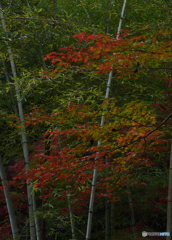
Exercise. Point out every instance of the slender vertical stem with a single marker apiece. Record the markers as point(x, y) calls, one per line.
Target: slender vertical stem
point(169, 202)
point(107, 216)
point(11, 93)
point(72, 222)
point(37, 224)
point(89, 222)
point(43, 222)
point(90, 213)
point(133, 222)
point(23, 134)
point(112, 226)
point(8, 199)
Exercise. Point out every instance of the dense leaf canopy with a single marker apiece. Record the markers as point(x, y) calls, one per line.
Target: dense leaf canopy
point(63, 53)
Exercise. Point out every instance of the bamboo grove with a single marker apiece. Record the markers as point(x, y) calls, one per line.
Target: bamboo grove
point(85, 148)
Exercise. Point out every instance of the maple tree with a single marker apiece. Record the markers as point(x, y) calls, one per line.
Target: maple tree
point(128, 125)
point(141, 54)
point(123, 124)
point(76, 160)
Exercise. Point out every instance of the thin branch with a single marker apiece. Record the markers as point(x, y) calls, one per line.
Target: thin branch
point(144, 137)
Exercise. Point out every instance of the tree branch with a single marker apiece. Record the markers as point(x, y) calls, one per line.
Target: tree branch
point(144, 137)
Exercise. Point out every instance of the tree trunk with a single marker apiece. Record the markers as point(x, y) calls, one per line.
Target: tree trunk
point(43, 229)
point(8, 201)
point(169, 202)
point(72, 222)
point(42, 220)
point(23, 134)
point(90, 213)
point(107, 216)
point(37, 224)
point(112, 225)
point(133, 222)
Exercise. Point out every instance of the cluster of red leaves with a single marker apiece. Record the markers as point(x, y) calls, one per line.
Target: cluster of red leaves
point(70, 169)
point(104, 54)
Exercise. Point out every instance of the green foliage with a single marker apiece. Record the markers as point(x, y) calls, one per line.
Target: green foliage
point(142, 100)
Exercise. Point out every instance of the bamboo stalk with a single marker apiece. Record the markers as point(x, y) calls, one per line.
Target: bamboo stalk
point(23, 134)
point(9, 203)
point(90, 213)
